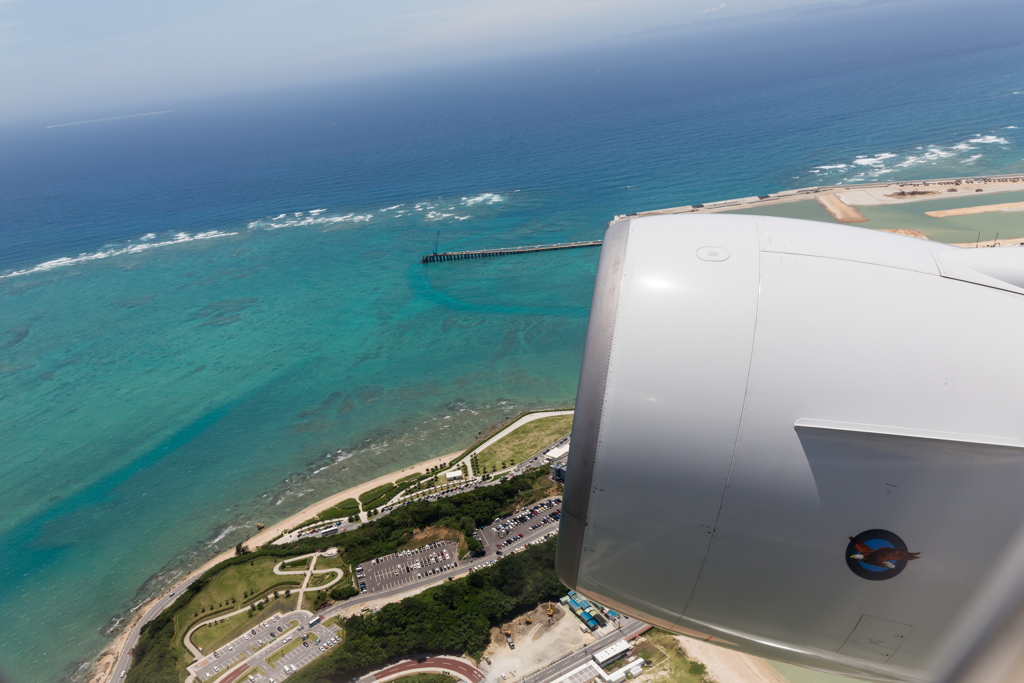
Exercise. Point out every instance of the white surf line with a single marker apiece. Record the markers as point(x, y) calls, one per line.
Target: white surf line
point(111, 118)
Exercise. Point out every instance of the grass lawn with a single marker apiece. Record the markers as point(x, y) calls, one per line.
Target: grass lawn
point(374, 494)
point(255, 577)
point(522, 443)
point(295, 565)
point(346, 508)
point(252, 577)
point(212, 637)
point(668, 656)
point(337, 562)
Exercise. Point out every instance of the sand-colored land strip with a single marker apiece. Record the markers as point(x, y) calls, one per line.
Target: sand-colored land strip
point(729, 666)
point(840, 210)
point(906, 232)
point(868, 194)
point(971, 210)
point(1006, 242)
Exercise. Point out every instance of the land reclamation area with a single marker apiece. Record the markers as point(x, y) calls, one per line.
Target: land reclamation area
point(962, 211)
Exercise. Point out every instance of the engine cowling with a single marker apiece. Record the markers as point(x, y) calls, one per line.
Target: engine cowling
point(796, 439)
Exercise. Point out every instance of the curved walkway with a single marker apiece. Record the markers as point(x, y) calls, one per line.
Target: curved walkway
point(196, 652)
point(304, 587)
point(300, 591)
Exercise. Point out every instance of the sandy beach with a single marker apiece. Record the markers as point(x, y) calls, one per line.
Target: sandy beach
point(273, 531)
point(104, 663)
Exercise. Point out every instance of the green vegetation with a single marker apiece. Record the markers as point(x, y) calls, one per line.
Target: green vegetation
point(153, 661)
point(237, 584)
point(296, 565)
point(160, 655)
point(346, 508)
point(542, 488)
point(336, 562)
point(522, 443)
point(376, 496)
point(426, 678)
point(667, 655)
point(455, 617)
point(211, 637)
point(321, 579)
point(343, 591)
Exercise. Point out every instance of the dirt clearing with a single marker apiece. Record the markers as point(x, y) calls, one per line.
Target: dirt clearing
point(537, 644)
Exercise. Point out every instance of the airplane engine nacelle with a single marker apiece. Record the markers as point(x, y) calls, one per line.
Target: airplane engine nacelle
point(796, 439)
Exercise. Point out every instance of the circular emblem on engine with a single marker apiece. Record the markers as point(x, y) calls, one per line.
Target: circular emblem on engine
point(877, 554)
point(713, 253)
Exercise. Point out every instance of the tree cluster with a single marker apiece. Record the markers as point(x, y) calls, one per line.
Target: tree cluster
point(155, 659)
point(454, 618)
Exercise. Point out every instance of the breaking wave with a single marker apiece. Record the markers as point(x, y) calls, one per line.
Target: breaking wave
point(867, 168)
point(300, 219)
point(485, 198)
point(145, 245)
point(430, 210)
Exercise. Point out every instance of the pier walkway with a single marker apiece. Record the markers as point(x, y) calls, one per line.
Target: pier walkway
point(485, 253)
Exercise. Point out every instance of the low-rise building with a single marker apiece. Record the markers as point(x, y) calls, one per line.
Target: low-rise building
point(453, 475)
point(614, 651)
point(558, 467)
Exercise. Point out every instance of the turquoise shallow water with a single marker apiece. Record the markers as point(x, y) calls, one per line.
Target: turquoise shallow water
point(176, 400)
point(221, 317)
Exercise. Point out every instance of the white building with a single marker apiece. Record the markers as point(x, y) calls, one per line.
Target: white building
point(611, 653)
point(453, 475)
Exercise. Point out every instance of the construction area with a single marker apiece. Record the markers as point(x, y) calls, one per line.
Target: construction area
point(538, 640)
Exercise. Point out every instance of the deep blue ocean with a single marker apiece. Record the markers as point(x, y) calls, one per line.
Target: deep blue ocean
point(214, 316)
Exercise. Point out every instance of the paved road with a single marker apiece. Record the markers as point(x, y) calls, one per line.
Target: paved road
point(628, 629)
point(124, 659)
point(459, 667)
point(464, 566)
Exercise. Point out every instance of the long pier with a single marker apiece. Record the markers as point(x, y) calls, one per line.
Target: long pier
point(486, 253)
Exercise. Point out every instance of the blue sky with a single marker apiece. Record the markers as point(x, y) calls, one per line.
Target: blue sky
point(65, 56)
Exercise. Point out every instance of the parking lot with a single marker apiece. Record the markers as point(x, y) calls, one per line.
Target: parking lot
point(261, 641)
point(508, 533)
point(319, 641)
point(407, 566)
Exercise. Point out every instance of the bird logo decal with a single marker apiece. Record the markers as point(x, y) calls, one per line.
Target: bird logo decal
point(877, 554)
